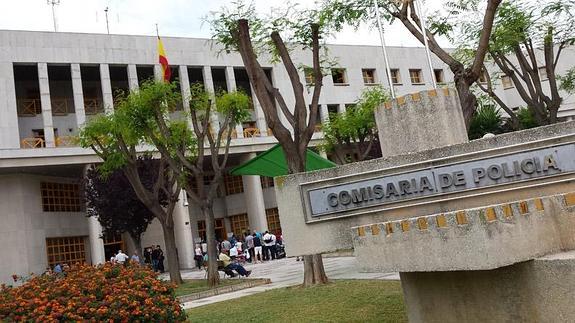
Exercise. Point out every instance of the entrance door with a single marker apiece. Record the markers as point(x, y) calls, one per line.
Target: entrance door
point(113, 243)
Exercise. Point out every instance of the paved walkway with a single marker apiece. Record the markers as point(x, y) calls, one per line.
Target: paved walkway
point(286, 272)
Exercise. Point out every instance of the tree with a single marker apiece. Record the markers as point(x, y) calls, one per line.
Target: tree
point(526, 44)
point(188, 152)
point(486, 120)
point(112, 200)
point(354, 12)
point(118, 139)
point(241, 30)
point(355, 130)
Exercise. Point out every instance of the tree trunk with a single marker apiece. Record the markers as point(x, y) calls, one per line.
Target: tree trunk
point(172, 254)
point(213, 275)
point(467, 99)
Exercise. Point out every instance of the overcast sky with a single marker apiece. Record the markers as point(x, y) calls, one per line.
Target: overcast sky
point(174, 17)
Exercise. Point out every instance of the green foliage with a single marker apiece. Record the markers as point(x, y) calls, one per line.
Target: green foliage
point(357, 123)
point(527, 119)
point(487, 119)
point(235, 104)
point(568, 81)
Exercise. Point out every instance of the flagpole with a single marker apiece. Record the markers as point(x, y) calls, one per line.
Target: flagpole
point(424, 33)
point(157, 32)
point(384, 49)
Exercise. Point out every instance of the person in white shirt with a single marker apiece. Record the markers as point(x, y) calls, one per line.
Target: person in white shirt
point(121, 257)
point(135, 258)
point(198, 256)
point(269, 246)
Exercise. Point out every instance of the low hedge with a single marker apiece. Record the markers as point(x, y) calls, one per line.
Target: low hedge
point(92, 293)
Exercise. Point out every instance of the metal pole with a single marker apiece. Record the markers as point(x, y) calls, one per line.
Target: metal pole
point(107, 25)
point(424, 33)
point(384, 49)
point(53, 3)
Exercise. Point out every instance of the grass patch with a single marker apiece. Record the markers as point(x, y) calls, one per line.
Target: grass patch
point(191, 286)
point(339, 301)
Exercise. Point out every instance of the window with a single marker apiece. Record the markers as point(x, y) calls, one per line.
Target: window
point(207, 180)
point(234, 184)
point(65, 250)
point(338, 75)
point(267, 181)
point(543, 73)
point(416, 76)
point(395, 76)
point(219, 228)
point(368, 76)
point(273, 217)
point(507, 82)
point(61, 197)
point(308, 72)
point(240, 224)
point(439, 76)
point(332, 110)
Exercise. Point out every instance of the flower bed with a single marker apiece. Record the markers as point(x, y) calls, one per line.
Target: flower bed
point(87, 293)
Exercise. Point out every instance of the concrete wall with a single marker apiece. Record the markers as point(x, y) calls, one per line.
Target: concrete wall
point(331, 233)
point(474, 239)
point(540, 290)
point(25, 226)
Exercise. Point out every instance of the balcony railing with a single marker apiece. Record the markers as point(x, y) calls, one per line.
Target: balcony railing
point(93, 106)
point(29, 107)
point(60, 107)
point(32, 143)
point(66, 141)
point(251, 132)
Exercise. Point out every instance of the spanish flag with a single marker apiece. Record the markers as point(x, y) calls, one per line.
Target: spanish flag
point(166, 72)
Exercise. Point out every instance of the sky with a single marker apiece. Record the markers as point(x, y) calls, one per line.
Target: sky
point(180, 18)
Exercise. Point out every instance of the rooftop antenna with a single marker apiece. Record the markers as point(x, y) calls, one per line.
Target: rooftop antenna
point(107, 24)
point(54, 3)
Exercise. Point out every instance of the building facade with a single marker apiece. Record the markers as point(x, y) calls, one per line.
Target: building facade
point(51, 84)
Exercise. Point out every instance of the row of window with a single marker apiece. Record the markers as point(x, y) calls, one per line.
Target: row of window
point(339, 76)
point(240, 224)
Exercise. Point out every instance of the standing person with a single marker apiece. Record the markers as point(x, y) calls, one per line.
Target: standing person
point(147, 256)
point(155, 257)
point(204, 247)
point(257, 248)
point(121, 257)
point(249, 242)
point(273, 248)
point(135, 258)
point(268, 243)
point(198, 256)
point(160, 259)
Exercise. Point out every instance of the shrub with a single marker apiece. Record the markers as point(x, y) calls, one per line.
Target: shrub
point(487, 119)
point(87, 293)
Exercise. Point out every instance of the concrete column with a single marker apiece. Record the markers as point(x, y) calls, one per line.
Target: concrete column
point(78, 95)
point(209, 86)
point(183, 232)
point(185, 87)
point(46, 105)
point(232, 86)
point(158, 73)
point(133, 78)
point(341, 108)
point(9, 132)
point(260, 117)
point(255, 200)
point(107, 95)
point(324, 113)
point(96, 243)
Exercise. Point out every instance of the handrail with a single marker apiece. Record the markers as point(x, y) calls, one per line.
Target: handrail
point(93, 106)
point(66, 141)
point(32, 143)
point(29, 107)
point(59, 106)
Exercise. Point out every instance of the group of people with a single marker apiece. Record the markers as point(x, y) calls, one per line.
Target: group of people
point(154, 256)
point(252, 247)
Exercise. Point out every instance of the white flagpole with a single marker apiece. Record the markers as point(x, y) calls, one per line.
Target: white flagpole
point(423, 32)
point(384, 49)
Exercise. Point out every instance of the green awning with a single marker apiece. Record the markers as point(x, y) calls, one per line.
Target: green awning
point(272, 163)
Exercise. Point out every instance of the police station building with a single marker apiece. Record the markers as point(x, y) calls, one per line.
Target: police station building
point(51, 84)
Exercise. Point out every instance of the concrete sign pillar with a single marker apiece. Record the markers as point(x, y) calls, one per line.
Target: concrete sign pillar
point(46, 103)
point(183, 232)
point(78, 95)
point(107, 95)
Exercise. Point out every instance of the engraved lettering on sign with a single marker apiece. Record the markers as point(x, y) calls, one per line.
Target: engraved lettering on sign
point(442, 180)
